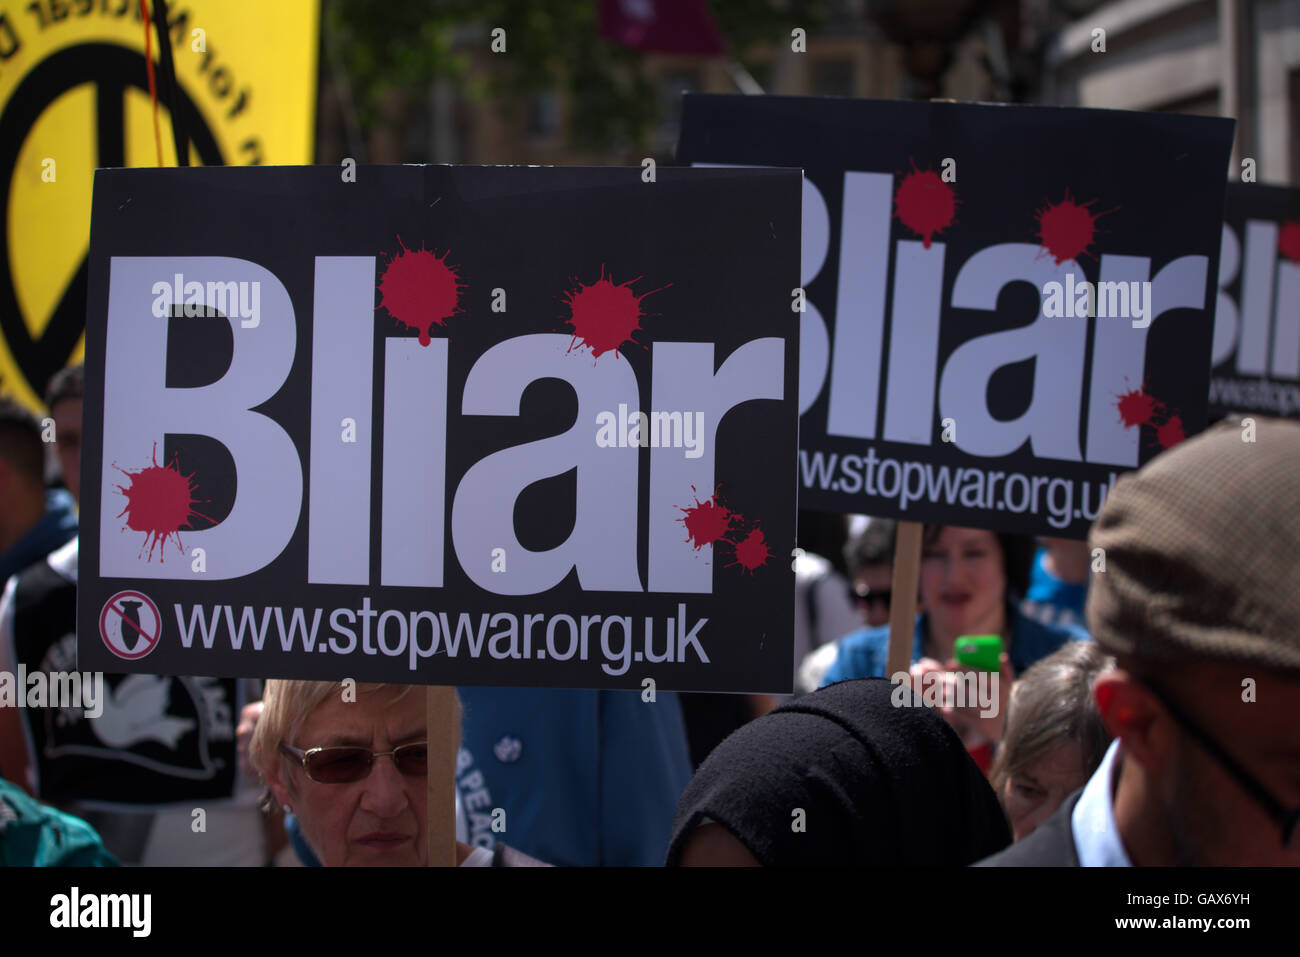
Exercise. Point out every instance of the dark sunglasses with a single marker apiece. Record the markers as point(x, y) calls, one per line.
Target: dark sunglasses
point(866, 596)
point(1285, 819)
point(346, 765)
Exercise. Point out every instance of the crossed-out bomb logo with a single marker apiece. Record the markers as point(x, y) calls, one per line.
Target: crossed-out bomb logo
point(130, 625)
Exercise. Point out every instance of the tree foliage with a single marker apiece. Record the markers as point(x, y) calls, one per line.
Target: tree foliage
point(552, 45)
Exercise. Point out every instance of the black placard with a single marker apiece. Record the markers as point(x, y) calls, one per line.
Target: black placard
point(1257, 325)
point(388, 429)
point(1007, 306)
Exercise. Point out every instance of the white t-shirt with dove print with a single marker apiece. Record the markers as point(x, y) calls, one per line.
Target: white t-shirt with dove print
point(155, 771)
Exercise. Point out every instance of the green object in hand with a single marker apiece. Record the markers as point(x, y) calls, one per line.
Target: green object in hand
point(979, 651)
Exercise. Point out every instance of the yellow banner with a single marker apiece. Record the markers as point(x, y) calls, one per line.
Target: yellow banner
point(74, 96)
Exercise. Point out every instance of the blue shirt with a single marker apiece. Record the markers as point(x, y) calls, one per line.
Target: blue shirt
point(584, 777)
point(56, 528)
point(1096, 838)
point(863, 653)
point(1051, 600)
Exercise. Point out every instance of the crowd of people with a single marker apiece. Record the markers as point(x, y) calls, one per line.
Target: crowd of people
point(1145, 685)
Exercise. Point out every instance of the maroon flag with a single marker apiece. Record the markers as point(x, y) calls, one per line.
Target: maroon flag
point(661, 26)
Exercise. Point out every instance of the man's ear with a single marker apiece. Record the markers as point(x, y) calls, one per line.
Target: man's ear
point(1132, 714)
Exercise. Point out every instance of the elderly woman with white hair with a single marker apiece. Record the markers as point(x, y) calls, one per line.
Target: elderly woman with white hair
point(352, 769)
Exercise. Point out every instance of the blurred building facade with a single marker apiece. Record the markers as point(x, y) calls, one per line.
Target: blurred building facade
point(1237, 58)
point(1224, 57)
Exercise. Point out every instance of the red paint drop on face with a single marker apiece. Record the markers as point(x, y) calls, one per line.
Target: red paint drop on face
point(707, 522)
point(925, 204)
point(1136, 407)
point(604, 315)
point(158, 502)
point(752, 551)
point(1067, 228)
point(420, 290)
point(1171, 433)
point(1288, 241)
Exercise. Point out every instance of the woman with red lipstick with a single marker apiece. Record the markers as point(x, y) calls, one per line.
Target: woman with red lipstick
point(350, 764)
point(969, 584)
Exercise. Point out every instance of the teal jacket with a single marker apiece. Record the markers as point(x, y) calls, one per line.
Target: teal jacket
point(36, 835)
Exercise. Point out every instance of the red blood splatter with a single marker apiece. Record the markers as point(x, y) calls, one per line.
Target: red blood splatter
point(1136, 407)
point(604, 315)
point(158, 502)
point(1171, 433)
point(1288, 241)
point(924, 203)
point(1067, 229)
point(708, 522)
point(420, 290)
point(752, 551)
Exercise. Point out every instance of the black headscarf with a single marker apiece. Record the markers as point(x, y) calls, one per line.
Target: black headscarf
point(879, 785)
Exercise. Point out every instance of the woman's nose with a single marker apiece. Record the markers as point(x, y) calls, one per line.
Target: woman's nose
point(385, 789)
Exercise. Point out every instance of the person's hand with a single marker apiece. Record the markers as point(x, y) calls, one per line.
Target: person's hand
point(244, 735)
point(919, 670)
point(975, 724)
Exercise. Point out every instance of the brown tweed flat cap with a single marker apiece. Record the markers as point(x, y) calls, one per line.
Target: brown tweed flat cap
point(1202, 552)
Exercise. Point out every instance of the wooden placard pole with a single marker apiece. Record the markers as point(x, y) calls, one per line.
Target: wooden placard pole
point(902, 605)
point(440, 727)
